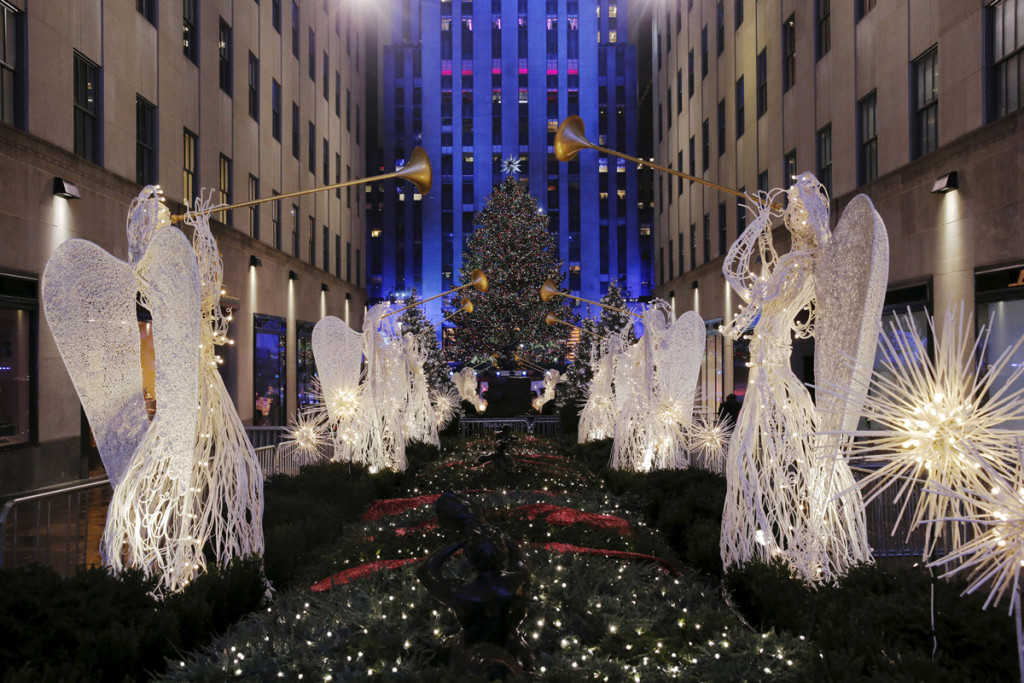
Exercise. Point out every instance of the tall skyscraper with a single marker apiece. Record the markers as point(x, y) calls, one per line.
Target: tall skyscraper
point(475, 83)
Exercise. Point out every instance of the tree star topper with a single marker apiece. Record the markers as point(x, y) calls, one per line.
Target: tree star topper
point(510, 165)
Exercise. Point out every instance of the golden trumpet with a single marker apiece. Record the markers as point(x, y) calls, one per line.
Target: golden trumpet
point(552, 319)
point(466, 306)
point(479, 281)
point(571, 138)
point(548, 291)
point(417, 170)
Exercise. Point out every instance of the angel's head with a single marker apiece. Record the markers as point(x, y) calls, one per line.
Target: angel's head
point(806, 215)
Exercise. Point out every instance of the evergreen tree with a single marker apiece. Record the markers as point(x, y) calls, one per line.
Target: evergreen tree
point(612, 321)
point(513, 247)
point(414, 320)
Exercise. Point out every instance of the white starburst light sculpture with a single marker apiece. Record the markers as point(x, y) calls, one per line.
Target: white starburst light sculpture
point(708, 439)
point(942, 424)
point(446, 405)
point(189, 480)
point(789, 492)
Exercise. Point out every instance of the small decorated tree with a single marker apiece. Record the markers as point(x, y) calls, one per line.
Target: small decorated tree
point(513, 247)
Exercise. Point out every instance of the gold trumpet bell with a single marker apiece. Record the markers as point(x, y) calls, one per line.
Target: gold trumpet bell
point(548, 291)
point(570, 139)
point(551, 319)
point(467, 306)
point(417, 170)
point(479, 280)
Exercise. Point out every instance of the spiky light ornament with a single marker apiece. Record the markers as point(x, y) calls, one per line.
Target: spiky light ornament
point(308, 436)
point(708, 440)
point(933, 416)
point(446, 405)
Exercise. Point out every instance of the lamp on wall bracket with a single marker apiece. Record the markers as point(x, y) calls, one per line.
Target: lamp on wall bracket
point(255, 262)
point(292, 275)
point(694, 285)
point(66, 189)
point(945, 183)
point(324, 287)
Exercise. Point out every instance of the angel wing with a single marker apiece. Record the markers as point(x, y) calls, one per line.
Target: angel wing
point(850, 274)
point(338, 351)
point(678, 361)
point(89, 302)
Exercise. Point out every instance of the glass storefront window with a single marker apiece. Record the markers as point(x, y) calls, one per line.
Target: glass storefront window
point(305, 364)
point(17, 377)
point(1006, 321)
point(712, 372)
point(268, 372)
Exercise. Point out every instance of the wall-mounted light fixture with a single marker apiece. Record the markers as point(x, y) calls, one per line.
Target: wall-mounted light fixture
point(66, 189)
point(945, 183)
point(255, 262)
point(292, 275)
point(324, 287)
point(694, 285)
point(348, 297)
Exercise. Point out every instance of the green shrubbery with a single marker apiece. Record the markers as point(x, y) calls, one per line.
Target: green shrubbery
point(94, 627)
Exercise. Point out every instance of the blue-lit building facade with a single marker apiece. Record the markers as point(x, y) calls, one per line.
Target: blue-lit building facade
point(477, 82)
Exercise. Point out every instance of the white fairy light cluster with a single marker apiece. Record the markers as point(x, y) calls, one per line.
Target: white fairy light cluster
point(446, 405)
point(708, 438)
point(551, 379)
point(790, 490)
point(188, 482)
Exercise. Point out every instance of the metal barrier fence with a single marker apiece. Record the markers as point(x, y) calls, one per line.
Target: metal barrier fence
point(261, 437)
point(545, 425)
point(54, 525)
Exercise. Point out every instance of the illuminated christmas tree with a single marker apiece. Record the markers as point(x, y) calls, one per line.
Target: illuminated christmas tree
point(610, 322)
point(513, 247)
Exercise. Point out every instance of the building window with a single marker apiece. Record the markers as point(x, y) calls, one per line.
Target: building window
point(739, 108)
point(692, 168)
point(326, 163)
point(189, 167)
point(145, 142)
point(224, 187)
point(275, 220)
point(11, 83)
point(926, 103)
point(295, 29)
point(337, 256)
point(693, 243)
point(311, 44)
point(348, 109)
point(295, 230)
point(671, 261)
point(720, 26)
point(705, 140)
point(311, 139)
point(706, 235)
point(312, 241)
point(254, 209)
point(305, 365)
point(762, 181)
point(19, 323)
point(325, 258)
point(275, 109)
point(721, 127)
point(692, 74)
point(668, 107)
point(789, 168)
point(295, 130)
point(147, 8)
point(867, 140)
point(87, 109)
point(738, 13)
point(863, 7)
point(822, 28)
point(275, 15)
point(224, 50)
point(1007, 21)
point(337, 94)
point(325, 79)
point(269, 372)
point(788, 53)
point(824, 154)
point(703, 51)
point(337, 175)
point(723, 236)
point(190, 30)
point(679, 91)
point(254, 87)
point(762, 82)
point(741, 214)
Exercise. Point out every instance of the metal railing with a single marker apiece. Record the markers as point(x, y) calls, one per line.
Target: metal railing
point(546, 425)
point(51, 525)
point(261, 437)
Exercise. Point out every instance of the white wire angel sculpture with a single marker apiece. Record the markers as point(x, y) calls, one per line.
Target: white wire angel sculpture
point(189, 480)
point(790, 492)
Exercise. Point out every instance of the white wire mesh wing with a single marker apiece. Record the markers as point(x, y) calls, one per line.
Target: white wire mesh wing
point(89, 303)
point(680, 356)
point(338, 351)
point(850, 275)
